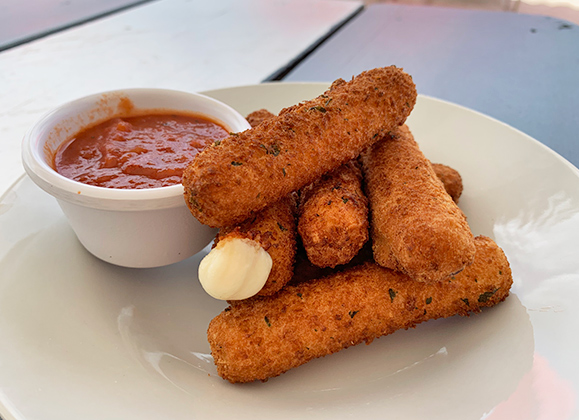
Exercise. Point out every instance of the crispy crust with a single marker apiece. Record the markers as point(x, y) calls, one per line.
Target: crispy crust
point(333, 212)
point(274, 228)
point(266, 337)
point(450, 178)
point(416, 227)
point(246, 172)
point(333, 216)
point(259, 116)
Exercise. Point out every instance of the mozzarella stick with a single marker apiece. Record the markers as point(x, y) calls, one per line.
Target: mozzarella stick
point(450, 178)
point(333, 216)
point(257, 117)
point(240, 175)
point(416, 227)
point(333, 212)
point(255, 257)
point(269, 336)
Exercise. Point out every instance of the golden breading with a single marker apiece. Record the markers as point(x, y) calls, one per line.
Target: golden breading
point(266, 337)
point(259, 116)
point(450, 178)
point(333, 216)
point(331, 237)
point(248, 171)
point(274, 229)
point(416, 228)
point(333, 220)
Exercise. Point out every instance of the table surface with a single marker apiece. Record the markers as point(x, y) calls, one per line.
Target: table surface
point(24, 21)
point(520, 69)
point(189, 45)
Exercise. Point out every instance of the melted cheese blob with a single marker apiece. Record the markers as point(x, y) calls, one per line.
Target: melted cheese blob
point(235, 269)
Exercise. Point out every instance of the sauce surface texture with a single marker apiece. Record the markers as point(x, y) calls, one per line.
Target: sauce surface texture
point(147, 151)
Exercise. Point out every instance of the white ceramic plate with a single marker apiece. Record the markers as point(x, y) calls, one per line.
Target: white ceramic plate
point(81, 339)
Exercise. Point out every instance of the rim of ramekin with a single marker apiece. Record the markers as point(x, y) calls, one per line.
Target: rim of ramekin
point(46, 177)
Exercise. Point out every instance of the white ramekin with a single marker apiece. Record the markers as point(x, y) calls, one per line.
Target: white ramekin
point(132, 228)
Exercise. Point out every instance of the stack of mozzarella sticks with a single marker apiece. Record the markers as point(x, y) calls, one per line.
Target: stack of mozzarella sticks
point(325, 177)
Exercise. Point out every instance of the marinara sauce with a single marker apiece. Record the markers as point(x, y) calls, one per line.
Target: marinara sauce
point(146, 151)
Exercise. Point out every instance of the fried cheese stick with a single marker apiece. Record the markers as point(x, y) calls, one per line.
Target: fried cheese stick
point(257, 117)
point(255, 257)
point(416, 227)
point(269, 336)
point(247, 171)
point(333, 211)
point(252, 258)
point(333, 216)
point(450, 178)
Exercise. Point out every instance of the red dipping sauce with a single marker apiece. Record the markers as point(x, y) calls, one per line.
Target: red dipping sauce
point(146, 151)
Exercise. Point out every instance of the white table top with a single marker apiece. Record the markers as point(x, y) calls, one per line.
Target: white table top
point(189, 45)
point(25, 21)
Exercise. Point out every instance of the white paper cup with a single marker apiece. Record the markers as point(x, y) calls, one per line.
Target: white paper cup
point(127, 227)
